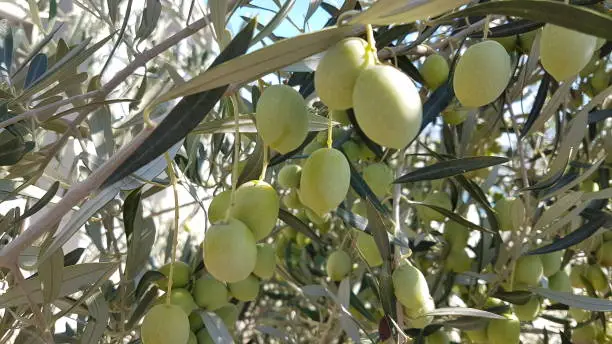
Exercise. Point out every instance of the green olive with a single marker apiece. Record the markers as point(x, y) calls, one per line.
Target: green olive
point(598, 278)
point(458, 261)
point(195, 321)
point(438, 337)
point(410, 286)
point(434, 71)
point(551, 262)
point(266, 261)
point(482, 74)
point(292, 200)
point(560, 281)
point(180, 297)
point(586, 334)
point(192, 338)
point(338, 265)
point(525, 40)
point(579, 314)
point(454, 117)
point(210, 293)
point(417, 318)
point(528, 270)
point(289, 176)
point(338, 71)
point(368, 249)
point(506, 331)
point(165, 324)
point(281, 118)
point(456, 235)
point(379, 177)
point(245, 290)
point(508, 42)
point(204, 337)
point(565, 52)
point(577, 273)
point(352, 150)
point(229, 315)
point(256, 206)
point(477, 336)
point(312, 147)
point(591, 66)
point(325, 180)
point(230, 251)
point(387, 106)
point(528, 311)
point(218, 206)
point(600, 80)
point(604, 254)
point(510, 213)
point(341, 116)
point(180, 275)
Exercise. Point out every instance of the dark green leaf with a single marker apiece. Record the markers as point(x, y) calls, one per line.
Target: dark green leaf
point(512, 28)
point(253, 166)
point(13, 150)
point(378, 228)
point(364, 191)
point(555, 12)
point(352, 219)
point(146, 280)
point(6, 50)
point(359, 306)
point(451, 167)
point(453, 216)
point(48, 196)
point(437, 102)
point(408, 67)
point(517, 297)
point(599, 115)
point(577, 301)
point(277, 159)
point(575, 237)
point(298, 225)
point(72, 257)
point(131, 207)
point(185, 116)
point(397, 32)
point(38, 67)
point(462, 311)
point(52, 9)
point(38, 48)
point(145, 302)
point(538, 103)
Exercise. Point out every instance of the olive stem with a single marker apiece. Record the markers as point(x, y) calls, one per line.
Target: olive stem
point(176, 225)
point(371, 47)
point(264, 165)
point(236, 156)
point(485, 29)
point(329, 130)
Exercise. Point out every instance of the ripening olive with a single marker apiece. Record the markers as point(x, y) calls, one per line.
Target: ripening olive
point(528, 270)
point(379, 177)
point(165, 324)
point(565, 52)
point(410, 286)
point(282, 118)
point(338, 265)
point(289, 176)
point(245, 290)
point(210, 293)
point(266, 261)
point(482, 74)
point(387, 106)
point(325, 180)
point(339, 70)
point(368, 249)
point(180, 275)
point(230, 251)
point(434, 71)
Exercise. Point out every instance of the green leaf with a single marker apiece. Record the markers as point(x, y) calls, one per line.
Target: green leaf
point(577, 301)
point(131, 209)
point(38, 67)
point(50, 273)
point(378, 228)
point(254, 164)
point(37, 49)
point(46, 198)
point(13, 150)
point(451, 167)
point(278, 18)
point(216, 328)
point(52, 9)
point(462, 311)
point(298, 225)
point(579, 235)
point(184, 117)
point(73, 278)
point(261, 62)
point(218, 11)
point(577, 18)
point(452, 216)
point(400, 12)
point(146, 280)
point(312, 8)
point(352, 219)
point(149, 19)
point(246, 125)
point(6, 46)
point(99, 314)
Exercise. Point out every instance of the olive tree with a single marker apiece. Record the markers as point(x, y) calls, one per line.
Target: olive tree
point(345, 171)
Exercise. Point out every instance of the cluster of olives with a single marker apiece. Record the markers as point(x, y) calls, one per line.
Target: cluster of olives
point(179, 320)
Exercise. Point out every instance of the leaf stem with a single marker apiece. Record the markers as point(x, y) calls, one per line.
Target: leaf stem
point(236, 155)
point(175, 233)
point(264, 166)
point(330, 139)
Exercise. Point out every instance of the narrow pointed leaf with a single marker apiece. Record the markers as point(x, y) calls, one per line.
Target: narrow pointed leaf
point(577, 301)
point(449, 168)
point(461, 311)
point(46, 198)
point(298, 225)
point(185, 116)
point(575, 237)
